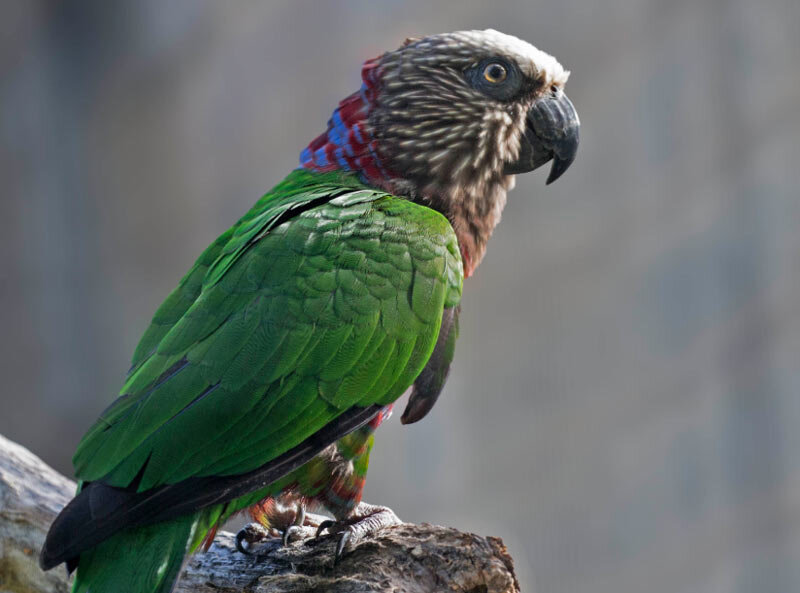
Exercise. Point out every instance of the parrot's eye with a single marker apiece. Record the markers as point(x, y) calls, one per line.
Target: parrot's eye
point(495, 77)
point(495, 73)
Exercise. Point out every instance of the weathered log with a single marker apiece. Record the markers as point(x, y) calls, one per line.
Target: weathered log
point(403, 558)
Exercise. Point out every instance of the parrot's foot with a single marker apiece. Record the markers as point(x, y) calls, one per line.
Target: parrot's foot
point(366, 519)
point(286, 524)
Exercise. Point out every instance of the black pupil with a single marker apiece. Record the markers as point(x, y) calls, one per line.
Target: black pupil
point(496, 71)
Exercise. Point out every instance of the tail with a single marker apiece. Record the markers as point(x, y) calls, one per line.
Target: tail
point(140, 560)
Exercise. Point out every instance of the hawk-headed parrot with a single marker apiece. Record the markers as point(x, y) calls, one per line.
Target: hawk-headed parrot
point(264, 373)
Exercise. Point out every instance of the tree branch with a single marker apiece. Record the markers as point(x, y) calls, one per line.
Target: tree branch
point(402, 559)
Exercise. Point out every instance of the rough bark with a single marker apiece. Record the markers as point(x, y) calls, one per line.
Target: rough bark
point(400, 559)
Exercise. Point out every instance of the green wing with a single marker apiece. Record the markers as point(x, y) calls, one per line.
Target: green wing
point(325, 296)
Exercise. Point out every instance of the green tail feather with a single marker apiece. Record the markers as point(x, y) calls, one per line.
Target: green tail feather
point(143, 560)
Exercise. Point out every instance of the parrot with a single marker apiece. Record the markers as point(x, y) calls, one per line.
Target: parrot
point(262, 377)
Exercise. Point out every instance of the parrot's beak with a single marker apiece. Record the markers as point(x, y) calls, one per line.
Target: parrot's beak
point(552, 132)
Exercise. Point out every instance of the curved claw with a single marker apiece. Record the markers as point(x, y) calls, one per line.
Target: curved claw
point(343, 540)
point(249, 534)
point(288, 533)
point(241, 537)
point(297, 524)
point(326, 524)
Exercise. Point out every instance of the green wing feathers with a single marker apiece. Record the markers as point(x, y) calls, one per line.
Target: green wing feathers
point(326, 295)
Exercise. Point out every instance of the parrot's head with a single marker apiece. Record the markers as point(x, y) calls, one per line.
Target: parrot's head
point(449, 120)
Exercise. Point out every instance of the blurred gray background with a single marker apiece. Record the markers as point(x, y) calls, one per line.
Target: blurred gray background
point(625, 406)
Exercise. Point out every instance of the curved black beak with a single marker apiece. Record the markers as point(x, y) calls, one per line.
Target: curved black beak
point(552, 132)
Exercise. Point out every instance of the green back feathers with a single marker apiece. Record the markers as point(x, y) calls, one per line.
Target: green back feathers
point(326, 295)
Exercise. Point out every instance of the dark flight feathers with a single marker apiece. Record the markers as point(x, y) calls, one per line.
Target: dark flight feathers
point(99, 510)
point(430, 382)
